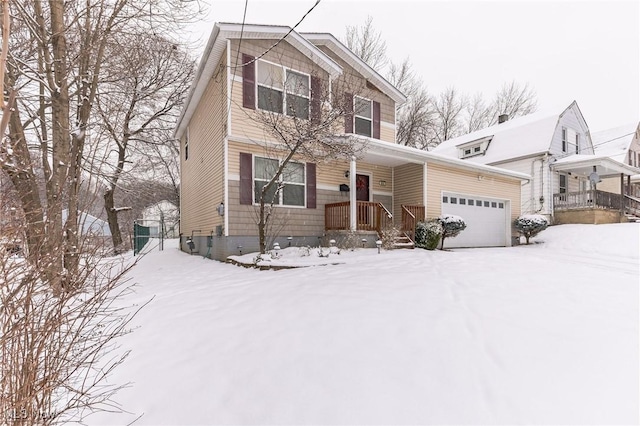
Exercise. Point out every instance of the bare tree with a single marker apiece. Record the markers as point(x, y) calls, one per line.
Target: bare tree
point(478, 114)
point(308, 131)
point(138, 103)
point(367, 42)
point(449, 106)
point(514, 100)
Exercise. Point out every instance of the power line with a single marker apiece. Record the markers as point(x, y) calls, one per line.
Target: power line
point(279, 41)
point(244, 17)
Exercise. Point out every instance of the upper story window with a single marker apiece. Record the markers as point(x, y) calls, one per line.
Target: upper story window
point(570, 141)
point(292, 182)
point(283, 90)
point(186, 146)
point(363, 116)
point(477, 147)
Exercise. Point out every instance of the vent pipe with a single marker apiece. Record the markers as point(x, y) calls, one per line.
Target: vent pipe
point(502, 118)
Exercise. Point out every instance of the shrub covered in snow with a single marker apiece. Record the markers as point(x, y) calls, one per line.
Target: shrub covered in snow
point(531, 225)
point(428, 234)
point(452, 225)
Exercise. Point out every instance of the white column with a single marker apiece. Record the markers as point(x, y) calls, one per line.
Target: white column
point(352, 195)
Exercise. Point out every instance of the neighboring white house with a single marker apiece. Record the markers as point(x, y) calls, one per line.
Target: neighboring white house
point(90, 225)
point(621, 143)
point(555, 149)
point(163, 212)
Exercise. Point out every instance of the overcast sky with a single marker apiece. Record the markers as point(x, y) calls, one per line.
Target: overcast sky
point(588, 51)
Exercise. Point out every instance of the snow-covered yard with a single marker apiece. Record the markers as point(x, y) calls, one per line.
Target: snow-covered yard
point(539, 334)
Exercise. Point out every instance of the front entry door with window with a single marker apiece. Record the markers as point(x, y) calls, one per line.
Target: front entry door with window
point(362, 194)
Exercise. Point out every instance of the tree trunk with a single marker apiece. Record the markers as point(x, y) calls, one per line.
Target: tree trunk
point(112, 219)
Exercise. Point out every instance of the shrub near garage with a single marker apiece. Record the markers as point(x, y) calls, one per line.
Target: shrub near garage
point(452, 226)
point(428, 234)
point(530, 225)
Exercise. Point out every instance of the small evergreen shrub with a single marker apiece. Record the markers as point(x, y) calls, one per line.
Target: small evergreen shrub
point(452, 226)
point(428, 234)
point(530, 225)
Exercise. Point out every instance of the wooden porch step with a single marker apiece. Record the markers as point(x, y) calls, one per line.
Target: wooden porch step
point(403, 242)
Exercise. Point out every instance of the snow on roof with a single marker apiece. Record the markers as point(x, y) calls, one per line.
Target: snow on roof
point(522, 136)
point(614, 142)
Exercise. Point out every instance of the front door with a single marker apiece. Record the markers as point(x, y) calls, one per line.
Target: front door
point(362, 194)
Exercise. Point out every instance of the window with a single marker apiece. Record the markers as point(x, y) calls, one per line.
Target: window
point(476, 149)
point(454, 200)
point(577, 143)
point(494, 204)
point(363, 116)
point(445, 199)
point(292, 180)
point(467, 151)
point(570, 140)
point(283, 90)
point(479, 203)
point(501, 205)
point(486, 204)
point(463, 201)
point(564, 139)
point(563, 184)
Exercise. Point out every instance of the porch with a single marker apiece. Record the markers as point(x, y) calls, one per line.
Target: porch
point(371, 216)
point(594, 206)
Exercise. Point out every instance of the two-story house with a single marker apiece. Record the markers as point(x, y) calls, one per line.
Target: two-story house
point(556, 149)
point(226, 152)
point(621, 143)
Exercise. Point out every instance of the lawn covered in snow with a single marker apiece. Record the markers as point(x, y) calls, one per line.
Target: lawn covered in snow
point(538, 334)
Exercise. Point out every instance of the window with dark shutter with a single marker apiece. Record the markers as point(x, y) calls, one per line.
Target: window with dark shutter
point(311, 186)
point(348, 117)
point(246, 178)
point(248, 82)
point(376, 120)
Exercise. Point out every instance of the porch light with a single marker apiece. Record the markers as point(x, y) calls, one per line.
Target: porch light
point(289, 238)
point(378, 244)
point(220, 209)
point(364, 241)
point(332, 243)
point(383, 183)
point(346, 174)
point(240, 249)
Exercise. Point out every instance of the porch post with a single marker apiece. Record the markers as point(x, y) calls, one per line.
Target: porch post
point(353, 212)
point(622, 194)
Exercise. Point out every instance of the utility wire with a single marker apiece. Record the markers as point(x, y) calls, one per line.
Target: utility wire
point(244, 17)
point(279, 41)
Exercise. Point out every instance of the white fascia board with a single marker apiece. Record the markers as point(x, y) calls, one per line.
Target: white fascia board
point(418, 155)
point(326, 39)
point(275, 32)
point(606, 162)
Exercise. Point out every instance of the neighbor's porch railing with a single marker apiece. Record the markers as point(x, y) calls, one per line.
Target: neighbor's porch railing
point(371, 216)
point(592, 198)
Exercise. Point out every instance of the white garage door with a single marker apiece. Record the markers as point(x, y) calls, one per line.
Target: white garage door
point(486, 220)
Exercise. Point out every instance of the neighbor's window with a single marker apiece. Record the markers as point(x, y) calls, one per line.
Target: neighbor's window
point(283, 90)
point(363, 116)
point(563, 184)
point(292, 181)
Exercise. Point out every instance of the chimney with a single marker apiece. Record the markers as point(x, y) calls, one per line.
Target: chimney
point(502, 118)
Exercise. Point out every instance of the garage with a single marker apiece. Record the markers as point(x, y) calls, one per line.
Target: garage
point(486, 219)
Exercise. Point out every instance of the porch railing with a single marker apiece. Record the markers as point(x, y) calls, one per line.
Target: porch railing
point(592, 198)
point(632, 205)
point(411, 215)
point(371, 216)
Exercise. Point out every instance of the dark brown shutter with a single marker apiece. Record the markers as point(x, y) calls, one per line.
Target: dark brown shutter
point(316, 99)
point(246, 178)
point(376, 120)
point(248, 82)
point(348, 117)
point(311, 185)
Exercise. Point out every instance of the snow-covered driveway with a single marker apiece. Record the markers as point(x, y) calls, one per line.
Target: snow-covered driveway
point(539, 334)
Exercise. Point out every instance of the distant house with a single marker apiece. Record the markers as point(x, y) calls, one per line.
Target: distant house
point(621, 143)
point(244, 69)
point(558, 152)
point(161, 215)
point(90, 225)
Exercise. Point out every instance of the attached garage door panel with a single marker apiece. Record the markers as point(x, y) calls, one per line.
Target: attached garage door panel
point(486, 220)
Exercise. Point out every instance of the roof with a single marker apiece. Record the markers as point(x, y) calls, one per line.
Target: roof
point(344, 53)
point(393, 154)
point(614, 142)
point(584, 164)
point(222, 32)
point(517, 138)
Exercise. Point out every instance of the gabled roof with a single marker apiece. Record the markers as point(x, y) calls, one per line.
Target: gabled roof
point(517, 138)
point(217, 44)
point(305, 43)
point(344, 53)
point(614, 142)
